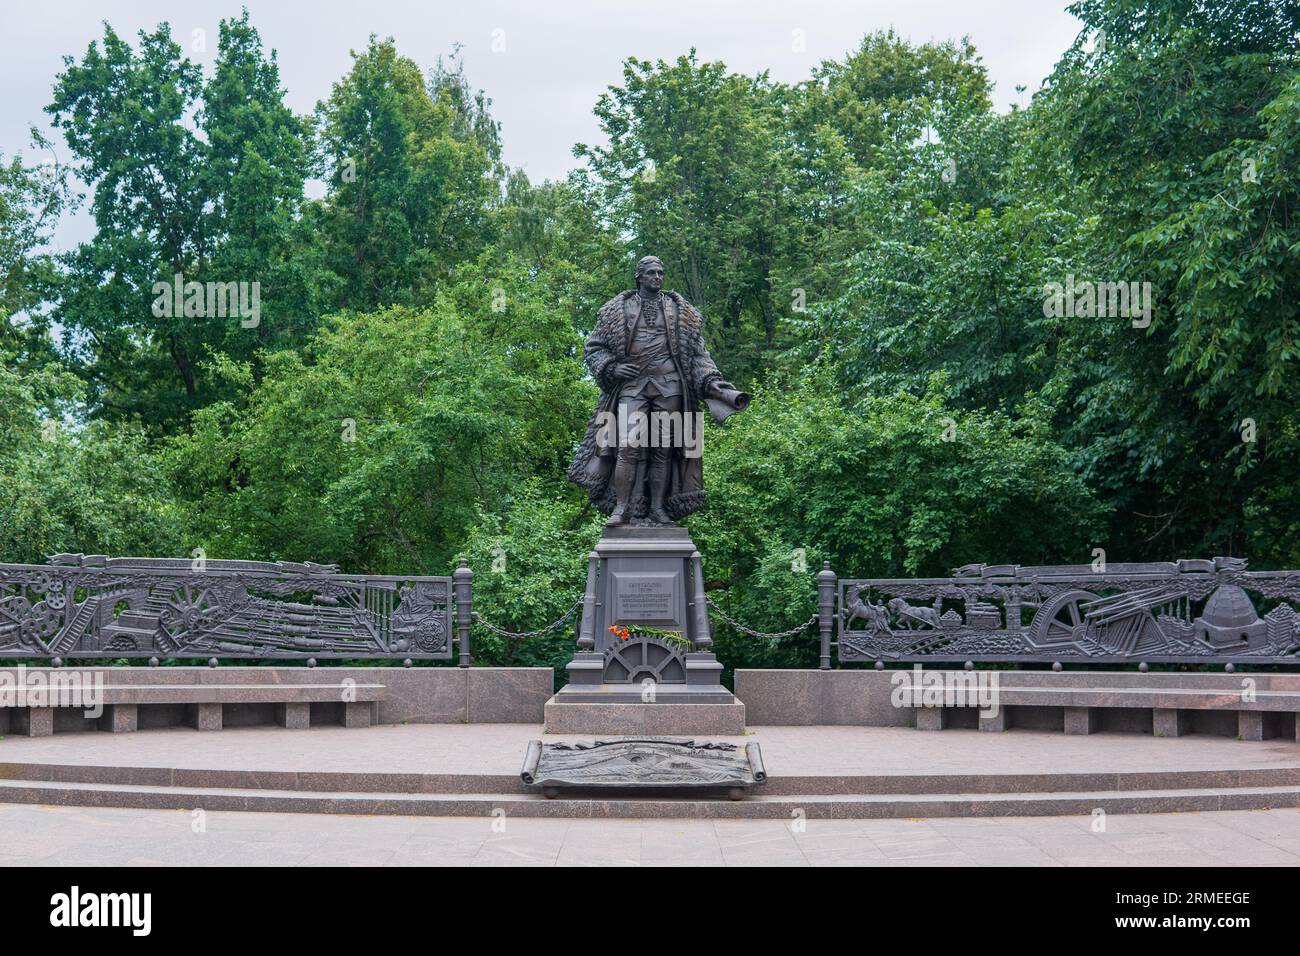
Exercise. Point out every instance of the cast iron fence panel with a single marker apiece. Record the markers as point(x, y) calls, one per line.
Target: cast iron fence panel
point(1190, 611)
point(96, 606)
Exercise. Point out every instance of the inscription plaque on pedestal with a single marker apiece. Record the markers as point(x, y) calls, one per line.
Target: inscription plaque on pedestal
point(645, 597)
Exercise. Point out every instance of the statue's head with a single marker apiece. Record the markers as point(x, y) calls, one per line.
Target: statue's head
point(650, 274)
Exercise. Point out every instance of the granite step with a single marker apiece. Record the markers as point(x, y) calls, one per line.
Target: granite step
point(808, 806)
point(322, 781)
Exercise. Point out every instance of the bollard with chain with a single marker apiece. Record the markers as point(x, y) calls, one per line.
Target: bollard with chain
point(463, 581)
point(703, 639)
point(825, 611)
point(587, 630)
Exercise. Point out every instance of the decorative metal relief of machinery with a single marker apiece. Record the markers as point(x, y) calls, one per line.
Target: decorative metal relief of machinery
point(95, 606)
point(644, 657)
point(1190, 611)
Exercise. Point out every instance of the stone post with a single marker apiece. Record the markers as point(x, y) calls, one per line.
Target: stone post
point(587, 632)
point(825, 611)
point(703, 641)
point(463, 582)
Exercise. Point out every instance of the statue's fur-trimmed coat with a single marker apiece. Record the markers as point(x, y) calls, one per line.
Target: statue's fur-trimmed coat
point(607, 347)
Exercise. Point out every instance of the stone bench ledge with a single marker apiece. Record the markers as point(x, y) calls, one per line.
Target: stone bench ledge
point(1156, 698)
point(223, 694)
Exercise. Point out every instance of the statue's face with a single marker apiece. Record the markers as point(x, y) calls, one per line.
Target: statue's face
point(652, 279)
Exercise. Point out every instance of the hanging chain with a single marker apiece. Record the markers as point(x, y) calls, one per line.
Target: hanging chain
point(761, 634)
point(521, 635)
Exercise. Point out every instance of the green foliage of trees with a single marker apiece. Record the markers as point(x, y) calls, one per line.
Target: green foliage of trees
point(65, 486)
point(411, 169)
point(892, 486)
point(530, 567)
point(870, 248)
point(377, 444)
point(31, 199)
point(1157, 117)
point(201, 178)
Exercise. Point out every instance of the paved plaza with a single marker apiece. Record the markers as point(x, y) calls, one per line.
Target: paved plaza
point(788, 751)
point(101, 835)
point(51, 836)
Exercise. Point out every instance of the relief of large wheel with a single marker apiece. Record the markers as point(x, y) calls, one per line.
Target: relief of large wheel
point(184, 609)
point(632, 661)
point(1060, 620)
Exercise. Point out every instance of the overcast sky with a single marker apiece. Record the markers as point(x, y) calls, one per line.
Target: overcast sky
point(543, 64)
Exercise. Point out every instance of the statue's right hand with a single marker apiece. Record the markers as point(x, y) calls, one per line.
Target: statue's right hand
point(625, 370)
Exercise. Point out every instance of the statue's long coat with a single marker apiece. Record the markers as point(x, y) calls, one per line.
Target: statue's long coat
point(607, 347)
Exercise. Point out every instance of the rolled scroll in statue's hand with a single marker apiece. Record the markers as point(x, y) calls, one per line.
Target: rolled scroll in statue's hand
point(724, 401)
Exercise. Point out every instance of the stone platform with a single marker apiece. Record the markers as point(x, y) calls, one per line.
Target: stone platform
point(819, 772)
point(712, 719)
point(1251, 706)
point(210, 698)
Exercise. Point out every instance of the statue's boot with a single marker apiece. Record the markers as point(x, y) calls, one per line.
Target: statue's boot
point(658, 487)
point(624, 477)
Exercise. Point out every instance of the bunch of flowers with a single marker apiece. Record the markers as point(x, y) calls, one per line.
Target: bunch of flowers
point(623, 632)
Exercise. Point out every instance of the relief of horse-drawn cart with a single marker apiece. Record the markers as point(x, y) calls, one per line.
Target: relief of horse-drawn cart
point(1188, 611)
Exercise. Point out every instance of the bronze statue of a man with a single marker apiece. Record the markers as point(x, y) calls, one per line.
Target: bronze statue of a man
point(641, 454)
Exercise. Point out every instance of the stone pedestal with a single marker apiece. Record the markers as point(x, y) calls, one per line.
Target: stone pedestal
point(588, 683)
point(1170, 722)
point(357, 714)
point(1082, 720)
point(931, 718)
point(203, 716)
point(119, 718)
point(650, 577)
point(36, 721)
point(1250, 724)
point(651, 720)
point(295, 716)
